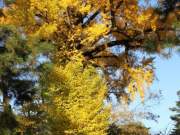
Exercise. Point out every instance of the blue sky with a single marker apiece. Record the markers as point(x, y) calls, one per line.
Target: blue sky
point(1, 3)
point(168, 74)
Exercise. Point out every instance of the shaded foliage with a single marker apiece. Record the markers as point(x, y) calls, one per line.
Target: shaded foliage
point(128, 129)
point(176, 117)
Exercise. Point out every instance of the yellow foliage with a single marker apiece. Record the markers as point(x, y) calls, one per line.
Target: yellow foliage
point(78, 95)
point(154, 23)
point(140, 79)
point(49, 8)
point(146, 18)
point(94, 32)
point(46, 30)
point(143, 18)
point(85, 9)
point(68, 3)
point(24, 123)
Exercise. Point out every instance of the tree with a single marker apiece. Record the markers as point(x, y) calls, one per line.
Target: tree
point(176, 118)
point(169, 5)
point(76, 101)
point(19, 72)
point(128, 129)
point(13, 71)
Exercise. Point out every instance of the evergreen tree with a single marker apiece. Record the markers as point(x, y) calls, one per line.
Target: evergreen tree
point(13, 71)
point(169, 5)
point(19, 73)
point(176, 117)
point(132, 128)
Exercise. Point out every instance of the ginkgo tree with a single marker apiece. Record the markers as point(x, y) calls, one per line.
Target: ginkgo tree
point(94, 27)
point(77, 104)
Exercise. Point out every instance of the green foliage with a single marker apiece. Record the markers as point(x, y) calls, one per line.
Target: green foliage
point(8, 122)
point(13, 56)
point(150, 46)
point(19, 69)
point(128, 129)
point(176, 117)
point(133, 129)
point(7, 2)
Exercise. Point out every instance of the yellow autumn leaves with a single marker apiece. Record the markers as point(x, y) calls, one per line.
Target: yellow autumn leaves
point(140, 79)
point(54, 18)
point(147, 18)
point(94, 32)
point(140, 17)
point(78, 94)
point(46, 30)
point(83, 8)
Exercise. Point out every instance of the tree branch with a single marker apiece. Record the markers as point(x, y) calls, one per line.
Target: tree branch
point(91, 18)
point(113, 21)
point(89, 52)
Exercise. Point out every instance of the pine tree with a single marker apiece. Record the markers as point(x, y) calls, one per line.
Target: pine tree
point(19, 72)
point(169, 5)
point(13, 83)
point(176, 118)
point(133, 128)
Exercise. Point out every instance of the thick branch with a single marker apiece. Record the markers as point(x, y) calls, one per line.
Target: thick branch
point(91, 18)
point(90, 51)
